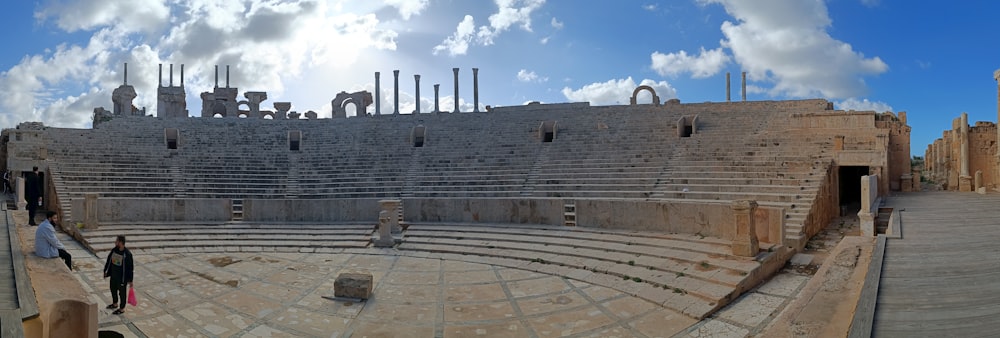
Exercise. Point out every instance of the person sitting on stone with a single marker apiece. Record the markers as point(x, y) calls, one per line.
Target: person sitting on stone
point(46, 243)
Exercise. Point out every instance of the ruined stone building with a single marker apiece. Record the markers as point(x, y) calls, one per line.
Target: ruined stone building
point(778, 169)
point(965, 158)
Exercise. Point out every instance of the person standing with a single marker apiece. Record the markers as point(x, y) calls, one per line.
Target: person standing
point(120, 269)
point(33, 193)
point(46, 243)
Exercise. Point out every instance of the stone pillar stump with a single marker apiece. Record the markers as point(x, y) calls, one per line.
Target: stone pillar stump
point(745, 242)
point(389, 231)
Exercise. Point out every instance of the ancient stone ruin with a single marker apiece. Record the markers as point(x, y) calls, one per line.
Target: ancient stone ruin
point(759, 177)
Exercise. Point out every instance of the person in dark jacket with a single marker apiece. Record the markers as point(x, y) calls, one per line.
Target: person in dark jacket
point(119, 268)
point(33, 193)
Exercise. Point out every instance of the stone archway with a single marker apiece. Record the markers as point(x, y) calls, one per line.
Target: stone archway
point(361, 100)
point(656, 99)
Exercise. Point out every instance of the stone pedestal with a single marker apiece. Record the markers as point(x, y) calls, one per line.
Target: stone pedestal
point(745, 242)
point(866, 220)
point(905, 183)
point(21, 203)
point(978, 180)
point(389, 231)
point(353, 285)
point(965, 183)
point(90, 211)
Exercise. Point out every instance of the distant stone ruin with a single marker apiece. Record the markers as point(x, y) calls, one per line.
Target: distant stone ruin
point(965, 158)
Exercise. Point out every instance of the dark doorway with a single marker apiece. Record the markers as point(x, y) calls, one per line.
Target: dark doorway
point(850, 188)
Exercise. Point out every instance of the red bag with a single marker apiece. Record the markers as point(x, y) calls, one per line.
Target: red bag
point(131, 297)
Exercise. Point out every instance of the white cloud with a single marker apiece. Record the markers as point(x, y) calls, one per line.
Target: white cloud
point(524, 75)
point(785, 42)
point(651, 7)
point(618, 91)
point(557, 24)
point(270, 45)
point(509, 13)
point(408, 8)
point(863, 105)
point(71, 16)
point(706, 64)
point(458, 43)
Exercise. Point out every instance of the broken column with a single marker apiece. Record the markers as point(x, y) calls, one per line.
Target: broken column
point(866, 216)
point(475, 90)
point(90, 211)
point(437, 109)
point(416, 78)
point(455, 70)
point(979, 183)
point(378, 96)
point(395, 92)
point(745, 242)
point(389, 231)
point(19, 187)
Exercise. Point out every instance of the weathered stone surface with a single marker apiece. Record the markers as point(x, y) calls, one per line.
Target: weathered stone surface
point(353, 285)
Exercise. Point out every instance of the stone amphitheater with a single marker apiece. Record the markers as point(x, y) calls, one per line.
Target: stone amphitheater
point(655, 215)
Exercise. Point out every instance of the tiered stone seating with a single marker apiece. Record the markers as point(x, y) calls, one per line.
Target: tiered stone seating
point(608, 153)
point(691, 274)
point(737, 152)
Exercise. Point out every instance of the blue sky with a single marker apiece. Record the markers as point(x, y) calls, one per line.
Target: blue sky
point(932, 59)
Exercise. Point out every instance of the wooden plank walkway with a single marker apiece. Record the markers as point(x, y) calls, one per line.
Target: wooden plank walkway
point(942, 278)
point(17, 299)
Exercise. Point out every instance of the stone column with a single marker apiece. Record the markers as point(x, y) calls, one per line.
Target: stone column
point(867, 216)
point(378, 96)
point(979, 182)
point(727, 87)
point(19, 186)
point(416, 78)
point(964, 179)
point(996, 76)
point(455, 70)
point(395, 92)
point(437, 109)
point(90, 211)
point(744, 75)
point(745, 242)
point(475, 90)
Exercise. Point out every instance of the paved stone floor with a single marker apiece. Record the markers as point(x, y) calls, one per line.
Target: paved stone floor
point(272, 294)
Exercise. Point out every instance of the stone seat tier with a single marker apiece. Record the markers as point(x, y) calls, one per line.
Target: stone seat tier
point(690, 269)
point(783, 189)
point(246, 235)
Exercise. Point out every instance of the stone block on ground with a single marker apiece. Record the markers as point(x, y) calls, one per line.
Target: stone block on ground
point(353, 285)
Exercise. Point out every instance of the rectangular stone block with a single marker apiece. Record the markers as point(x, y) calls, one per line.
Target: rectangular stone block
point(353, 285)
